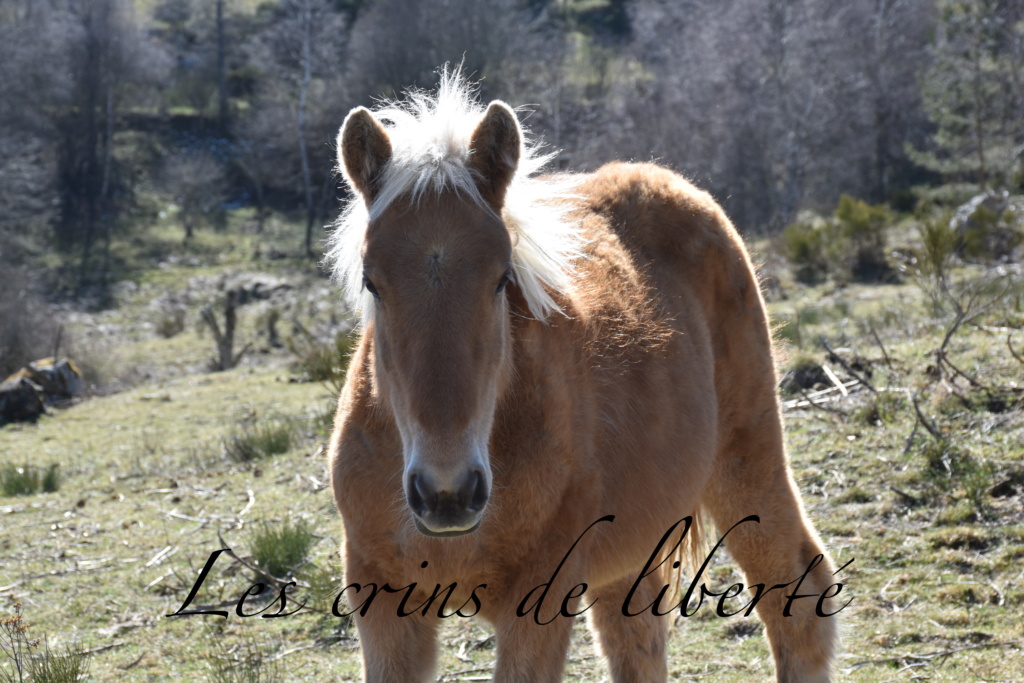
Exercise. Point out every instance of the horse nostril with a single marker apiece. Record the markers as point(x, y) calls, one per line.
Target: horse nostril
point(422, 497)
point(473, 494)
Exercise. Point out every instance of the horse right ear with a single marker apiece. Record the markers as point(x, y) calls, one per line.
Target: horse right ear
point(363, 150)
point(495, 149)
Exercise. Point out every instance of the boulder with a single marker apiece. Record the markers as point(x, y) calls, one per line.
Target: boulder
point(20, 400)
point(58, 380)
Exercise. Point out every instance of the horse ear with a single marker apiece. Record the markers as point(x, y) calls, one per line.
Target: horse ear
point(494, 152)
point(363, 151)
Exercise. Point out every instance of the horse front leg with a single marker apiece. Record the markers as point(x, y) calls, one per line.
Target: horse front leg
point(394, 648)
point(533, 625)
point(397, 649)
point(531, 653)
point(634, 646)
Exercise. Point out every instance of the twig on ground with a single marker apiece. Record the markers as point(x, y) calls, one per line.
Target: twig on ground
point(846, 366)
point(924, 421)
point(885, 354)
point(820, 406)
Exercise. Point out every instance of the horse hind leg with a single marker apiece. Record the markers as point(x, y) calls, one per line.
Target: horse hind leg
point(633, 646)
point(752, 478)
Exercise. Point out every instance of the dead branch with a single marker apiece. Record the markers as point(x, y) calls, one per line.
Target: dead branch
point(885, 354)
point(846, 366)
point(1009, 345)
point(924, 421)
point(821, 406)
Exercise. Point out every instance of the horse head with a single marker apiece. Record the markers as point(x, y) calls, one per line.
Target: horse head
point(435, 264)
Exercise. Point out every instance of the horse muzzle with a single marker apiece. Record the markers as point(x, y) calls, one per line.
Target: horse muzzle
point(443, 507)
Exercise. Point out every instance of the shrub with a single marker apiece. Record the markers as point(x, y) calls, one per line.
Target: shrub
point(170, 321)
point(27, 327)
point(863, 228)
point(806, 244)
point(21, 664)
point(279, 549)
point(938, 246)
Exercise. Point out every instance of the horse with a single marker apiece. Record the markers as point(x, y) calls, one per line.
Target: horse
point(556, 377)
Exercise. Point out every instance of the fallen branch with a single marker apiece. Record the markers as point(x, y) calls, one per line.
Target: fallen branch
point(929, 656)
point(821, 406)
point(846, 366)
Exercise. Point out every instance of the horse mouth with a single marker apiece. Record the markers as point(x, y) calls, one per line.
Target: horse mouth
point(450, 533)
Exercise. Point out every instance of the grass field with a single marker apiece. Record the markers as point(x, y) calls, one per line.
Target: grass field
point(917, 481)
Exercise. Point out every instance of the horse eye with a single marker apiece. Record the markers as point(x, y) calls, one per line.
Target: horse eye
point(504, 281)
point(370, 287)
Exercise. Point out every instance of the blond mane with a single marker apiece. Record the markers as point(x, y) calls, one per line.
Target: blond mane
point(430, 141)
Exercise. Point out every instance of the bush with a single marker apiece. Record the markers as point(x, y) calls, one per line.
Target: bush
point(938, 246)
point(21, 664)
point(863, 229)
point(806, 243)
point(249, 663)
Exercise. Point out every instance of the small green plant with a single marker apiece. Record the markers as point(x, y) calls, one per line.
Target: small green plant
point(279, 549)
point(321, 419)
point(249, 663)
point(27, 480)
point(258, 441)
point(320, 361)
point(882, 408)
point(950, 466)
point(22, 664)
point(170, 321)
point(938, 246)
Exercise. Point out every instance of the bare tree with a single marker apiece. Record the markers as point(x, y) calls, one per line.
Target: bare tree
point(286, 139)
point(196, 180)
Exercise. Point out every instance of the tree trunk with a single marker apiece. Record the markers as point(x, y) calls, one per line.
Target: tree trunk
point(226, 359)
point(222, 80)
point(307, 182)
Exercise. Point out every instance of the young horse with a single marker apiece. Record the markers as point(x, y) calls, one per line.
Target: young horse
point(537, 354)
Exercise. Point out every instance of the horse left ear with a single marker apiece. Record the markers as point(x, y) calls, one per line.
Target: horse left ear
point(494, 152)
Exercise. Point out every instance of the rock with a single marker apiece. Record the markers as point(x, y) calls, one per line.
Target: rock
point(20, 400)
point(57, 379)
